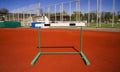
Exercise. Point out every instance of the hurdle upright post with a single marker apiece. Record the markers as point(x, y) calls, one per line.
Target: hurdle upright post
point(81, 52)
point(38, 39)
point(38, 54)
point(80, 38)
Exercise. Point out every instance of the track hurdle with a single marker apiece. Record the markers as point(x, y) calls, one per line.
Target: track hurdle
point(67, 24)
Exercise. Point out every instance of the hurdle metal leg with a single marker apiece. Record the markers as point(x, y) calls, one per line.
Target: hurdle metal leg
point(39, 53)
point(35, 59)
point(80, 52)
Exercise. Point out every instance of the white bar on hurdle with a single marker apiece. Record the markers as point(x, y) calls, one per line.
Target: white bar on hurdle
point(59, 25)
point(67, 24)
point(39, 25)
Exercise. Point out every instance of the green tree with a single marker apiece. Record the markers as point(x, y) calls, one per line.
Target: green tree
point(73, 17)
point(64, 12)
point(4, 11)
point(116, 18)
point(92, 16)
point(108, 16)
point(85, 16)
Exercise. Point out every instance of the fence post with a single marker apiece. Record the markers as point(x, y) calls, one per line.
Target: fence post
point(97, 14)
point(70, 10)
point(113, 13)
point(88, 12)
point(55, 13)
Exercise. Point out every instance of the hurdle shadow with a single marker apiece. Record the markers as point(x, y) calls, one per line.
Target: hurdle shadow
point(60, 47)
point(84, 58)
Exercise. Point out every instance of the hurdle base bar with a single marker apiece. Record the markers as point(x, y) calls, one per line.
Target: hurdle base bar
point(85, 58)
point(35, 58)
point(81, 54)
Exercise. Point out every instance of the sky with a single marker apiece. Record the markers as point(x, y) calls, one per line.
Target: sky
point(14, 4)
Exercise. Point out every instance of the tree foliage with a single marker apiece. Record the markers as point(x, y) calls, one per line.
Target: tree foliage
point(4, 11)
point(73, 16)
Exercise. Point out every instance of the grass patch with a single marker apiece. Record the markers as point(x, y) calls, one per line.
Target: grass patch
point(105, 25)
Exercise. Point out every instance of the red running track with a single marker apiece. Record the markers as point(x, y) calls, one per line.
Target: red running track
point(19, 46)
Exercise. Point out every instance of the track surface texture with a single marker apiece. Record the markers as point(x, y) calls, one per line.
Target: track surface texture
point(18, 47)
